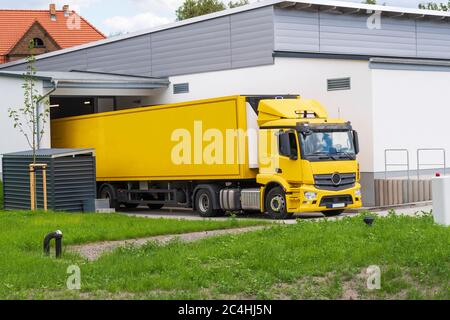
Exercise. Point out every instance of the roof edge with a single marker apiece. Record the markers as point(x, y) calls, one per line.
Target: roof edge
point(249, 7)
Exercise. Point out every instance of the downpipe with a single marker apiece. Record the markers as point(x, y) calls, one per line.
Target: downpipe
point(38, 104)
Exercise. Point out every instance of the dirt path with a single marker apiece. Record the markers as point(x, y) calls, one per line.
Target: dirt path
point(92, 251)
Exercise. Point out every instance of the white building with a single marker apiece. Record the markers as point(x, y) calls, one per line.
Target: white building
point(385, 69)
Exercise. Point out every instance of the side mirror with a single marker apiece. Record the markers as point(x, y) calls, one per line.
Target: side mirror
point(356, 141)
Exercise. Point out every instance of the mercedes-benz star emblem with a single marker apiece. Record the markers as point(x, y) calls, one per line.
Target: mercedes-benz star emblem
point(336, 179)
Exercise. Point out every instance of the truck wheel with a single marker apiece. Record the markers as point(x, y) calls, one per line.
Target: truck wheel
point(204, 204)
point(107, 191)
point(153, 206)
point(276, 204)
point(332, 213)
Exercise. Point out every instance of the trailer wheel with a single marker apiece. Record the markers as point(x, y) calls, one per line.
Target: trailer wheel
point(276, 204)
point(204, 204)
point(108, 191)
point(332, 213)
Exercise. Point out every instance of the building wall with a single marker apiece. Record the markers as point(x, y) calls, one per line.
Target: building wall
point(249, 39)
point(234, 41)
point(12, 97)
point(411, 110)
point(324, 32)
point(307, 77)
point(21, 49)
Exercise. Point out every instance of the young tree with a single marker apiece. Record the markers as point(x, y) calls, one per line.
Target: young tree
point(194, 8)
point(435, 6)
point(31, 118)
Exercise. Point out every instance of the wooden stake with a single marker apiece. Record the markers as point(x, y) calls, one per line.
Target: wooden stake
point(44, 186)
point(32, 188)
point(33, 185)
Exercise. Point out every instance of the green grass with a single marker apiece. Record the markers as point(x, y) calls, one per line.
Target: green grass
point(1, 195)
point(312, 260)
point(23, 266)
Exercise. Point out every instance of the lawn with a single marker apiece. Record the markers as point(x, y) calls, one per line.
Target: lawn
point(1, 195)
point(310, 260)
point(24, 269)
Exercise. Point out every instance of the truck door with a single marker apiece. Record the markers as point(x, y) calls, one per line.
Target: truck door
point(289, 166)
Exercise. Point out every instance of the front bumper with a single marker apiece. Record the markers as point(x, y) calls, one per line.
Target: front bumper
point(326, 199)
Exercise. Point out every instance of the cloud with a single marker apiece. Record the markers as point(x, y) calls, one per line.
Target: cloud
point(140, 21)
point(152, 13)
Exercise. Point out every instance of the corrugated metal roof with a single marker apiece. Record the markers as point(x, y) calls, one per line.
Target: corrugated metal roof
point(51, 153)
point(348, 7)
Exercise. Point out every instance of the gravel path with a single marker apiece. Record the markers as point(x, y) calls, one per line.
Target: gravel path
point(92, 251)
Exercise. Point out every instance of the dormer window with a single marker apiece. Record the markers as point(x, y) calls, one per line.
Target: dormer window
point(38, 43)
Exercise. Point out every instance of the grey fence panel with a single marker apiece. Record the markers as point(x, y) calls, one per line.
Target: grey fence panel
point(70, 181)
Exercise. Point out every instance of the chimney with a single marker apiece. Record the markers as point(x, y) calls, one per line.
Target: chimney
point(53, 12)
point(66, 10)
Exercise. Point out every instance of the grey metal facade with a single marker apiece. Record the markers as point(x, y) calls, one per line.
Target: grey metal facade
point(250, 38)
point(239, 40)
point(71, 179)
point(324, 32)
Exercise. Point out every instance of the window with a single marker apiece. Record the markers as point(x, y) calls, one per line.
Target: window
point(329, 144)
point(38, 43)
point(287, 143)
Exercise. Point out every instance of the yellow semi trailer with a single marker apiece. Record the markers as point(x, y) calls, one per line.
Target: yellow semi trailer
point(273, 154)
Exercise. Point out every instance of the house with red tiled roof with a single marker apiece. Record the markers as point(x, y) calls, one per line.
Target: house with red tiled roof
point(50, 30)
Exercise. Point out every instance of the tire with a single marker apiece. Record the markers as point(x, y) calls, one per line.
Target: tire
point(332, 213)
point(153, 206)
point(108, 191)
point(276, 204)
point(204, 204)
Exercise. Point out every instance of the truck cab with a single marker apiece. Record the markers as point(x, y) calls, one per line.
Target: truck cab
point(311, 165)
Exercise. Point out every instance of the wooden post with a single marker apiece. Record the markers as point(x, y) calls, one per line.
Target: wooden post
point(44, 185)
point(33, 185)
point(32, 188)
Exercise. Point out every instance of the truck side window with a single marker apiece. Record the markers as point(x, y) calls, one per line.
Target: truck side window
point(287, 142)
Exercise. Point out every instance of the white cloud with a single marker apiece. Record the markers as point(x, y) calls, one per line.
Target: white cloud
point(152, 13)
point(138, 22)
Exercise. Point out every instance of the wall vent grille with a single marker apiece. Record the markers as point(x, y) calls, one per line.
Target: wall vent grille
point(339, 84)
point(180, 88)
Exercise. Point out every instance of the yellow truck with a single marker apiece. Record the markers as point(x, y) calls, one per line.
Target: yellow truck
point(278, 155)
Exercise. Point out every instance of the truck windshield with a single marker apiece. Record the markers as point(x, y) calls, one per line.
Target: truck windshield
point(324, 145)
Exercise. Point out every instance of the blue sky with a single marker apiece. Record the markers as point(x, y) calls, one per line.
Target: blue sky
point(112, 16)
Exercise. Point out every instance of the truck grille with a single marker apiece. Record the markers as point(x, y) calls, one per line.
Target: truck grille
point(330, 200)
point(335, 181)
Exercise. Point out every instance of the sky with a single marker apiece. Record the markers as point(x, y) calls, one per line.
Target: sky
point(122, 16)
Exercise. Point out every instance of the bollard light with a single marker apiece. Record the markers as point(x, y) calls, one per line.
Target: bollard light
point(57, 235)
point(369, 220)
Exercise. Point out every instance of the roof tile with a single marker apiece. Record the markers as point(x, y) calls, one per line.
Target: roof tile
point(66, 31)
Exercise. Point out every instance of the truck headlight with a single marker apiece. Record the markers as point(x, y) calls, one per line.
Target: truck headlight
point(310, 196)
point(358, 193)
